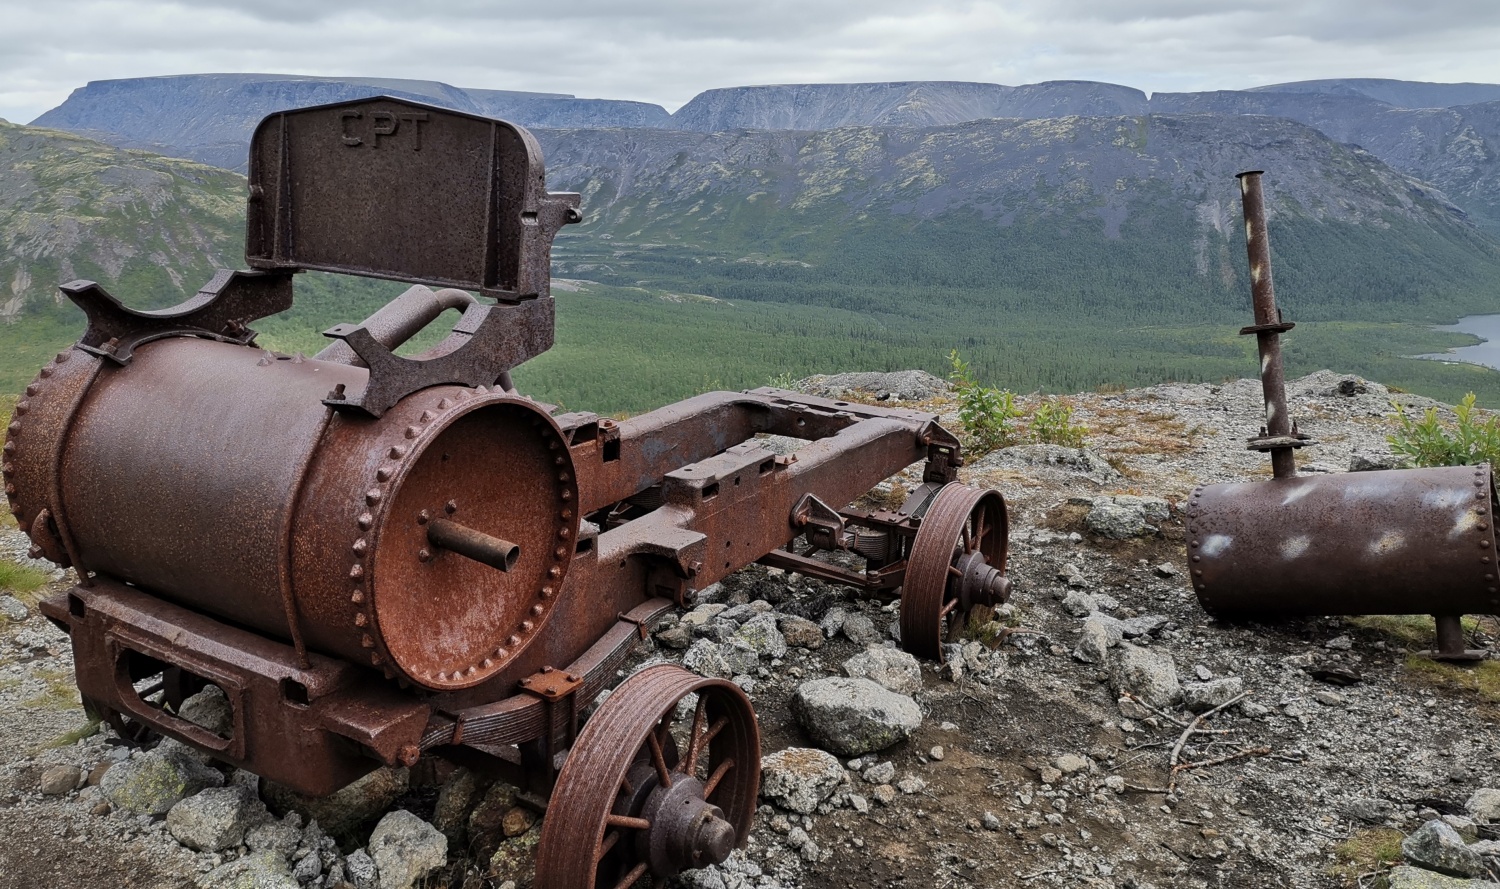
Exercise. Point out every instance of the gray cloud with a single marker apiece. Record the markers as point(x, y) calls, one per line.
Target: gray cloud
point(666, 51)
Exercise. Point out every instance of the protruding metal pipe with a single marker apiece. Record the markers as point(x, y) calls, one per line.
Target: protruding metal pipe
point(1268, 325)
point(477, 545)
point(400, 319)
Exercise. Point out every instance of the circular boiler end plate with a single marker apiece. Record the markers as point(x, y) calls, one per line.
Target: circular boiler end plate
point(495, 465)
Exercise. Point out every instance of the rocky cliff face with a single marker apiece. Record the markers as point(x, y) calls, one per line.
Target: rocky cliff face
point(1107, 168)
point(209, 117)
point(822, 106)
point(1401, 93)
point(73, 208)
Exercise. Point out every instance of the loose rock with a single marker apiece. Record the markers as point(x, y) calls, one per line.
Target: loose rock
point(854, 716)
point(152, 783)
point(800, 778)
point(405, 848)
point(799, 632)
point(259, 870)
point(1200, 697)
point(1124, 516)
point(890, 667)
point(1148, 675)
point(1437, 846)
point(59, 780)
point(215, 819)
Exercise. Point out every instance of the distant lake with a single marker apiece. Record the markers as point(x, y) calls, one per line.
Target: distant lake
point(1487, 353)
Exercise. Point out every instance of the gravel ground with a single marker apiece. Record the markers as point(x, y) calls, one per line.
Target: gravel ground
point(1044, 777)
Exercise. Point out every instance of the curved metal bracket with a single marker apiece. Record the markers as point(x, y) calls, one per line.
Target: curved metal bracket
point(219, 311)
point(499, 338)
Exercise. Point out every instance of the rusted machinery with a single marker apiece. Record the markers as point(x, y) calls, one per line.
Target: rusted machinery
point(378, 557)
point(1393, 542)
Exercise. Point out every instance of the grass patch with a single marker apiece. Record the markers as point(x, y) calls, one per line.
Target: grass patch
point(59, 692)
point(1407, 630)
point(1482, 678)
point(1367, 851)
point(69, 738)
point(21, 580)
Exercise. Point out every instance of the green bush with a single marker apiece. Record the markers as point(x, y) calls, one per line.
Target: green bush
point(987, 415)
point(1431, 442)
point(1052, 423)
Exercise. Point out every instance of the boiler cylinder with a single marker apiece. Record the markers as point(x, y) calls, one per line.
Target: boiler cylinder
point(213, 475)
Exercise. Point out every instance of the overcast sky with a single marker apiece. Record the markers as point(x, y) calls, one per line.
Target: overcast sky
point(666, 51)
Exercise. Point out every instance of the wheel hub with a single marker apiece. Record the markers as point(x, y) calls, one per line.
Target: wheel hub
point(686, 830)
point(979, 582)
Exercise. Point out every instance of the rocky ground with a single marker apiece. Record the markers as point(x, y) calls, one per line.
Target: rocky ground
point(1041, 754)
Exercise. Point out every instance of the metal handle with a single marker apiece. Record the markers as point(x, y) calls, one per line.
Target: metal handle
point(477, 545)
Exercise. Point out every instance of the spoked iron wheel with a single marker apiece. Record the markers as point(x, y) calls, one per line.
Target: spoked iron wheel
point(957, 561)
point(646, 793)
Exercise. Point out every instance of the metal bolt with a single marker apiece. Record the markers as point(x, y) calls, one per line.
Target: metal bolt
point(450, 507)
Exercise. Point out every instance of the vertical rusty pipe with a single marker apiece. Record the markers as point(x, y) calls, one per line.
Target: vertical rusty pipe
point(1268, 326)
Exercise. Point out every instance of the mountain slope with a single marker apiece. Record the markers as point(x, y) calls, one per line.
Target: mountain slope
point(209, 117)
point(150, 228)
point(822, 106)
point(1401, 93)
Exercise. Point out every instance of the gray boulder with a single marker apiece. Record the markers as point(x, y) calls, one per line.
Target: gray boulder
point(1200, 697)
point(891, 667)
point(405, 849)
point(1484, 804)
point(1370, 810)
point(799, 632)
point(1149, 675)
point(853, 717)
point(258, 870)
point(859, 629)
point(1051, 463)
point(360, 868)
point(1100, 633)
point(343, 812)
point(1404, 877)
point(1123, 516)
point(721, 660)
point(761, 634)
point(901, 385)
point(152, 783)
point(215, 819)
point(800, 778)
point(1437, 846)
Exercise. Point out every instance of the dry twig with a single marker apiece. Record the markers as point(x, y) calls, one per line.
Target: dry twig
point(1190, 729)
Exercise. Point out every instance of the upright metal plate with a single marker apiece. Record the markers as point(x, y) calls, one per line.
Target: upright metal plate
point(386, 188)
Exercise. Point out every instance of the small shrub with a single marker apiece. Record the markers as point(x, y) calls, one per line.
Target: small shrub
point(1052, 423)
point(783, 380)
point(21, 579)
point(1431, 442)
point(987, 415)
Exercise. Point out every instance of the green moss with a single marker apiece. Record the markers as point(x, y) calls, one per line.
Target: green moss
point(1482, 678)
point(1407, 630)
point(1364, 852)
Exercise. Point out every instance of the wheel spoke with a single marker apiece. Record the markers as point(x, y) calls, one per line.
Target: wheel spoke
point(627, 822)
point(608, 844)
point(948, 608)
point(689, 764)
point(965, 536)
point(713, 732)
point(953, 570)
point(629, 879)
point(979, 530)
point(658, 760)
point(716, 777)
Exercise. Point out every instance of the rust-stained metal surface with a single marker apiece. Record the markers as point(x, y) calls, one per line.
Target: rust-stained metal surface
point(647, 793)
point(1396, 542)
point(957, 561)
point(1406, 541)
point(379, 558)
point(1279, 436)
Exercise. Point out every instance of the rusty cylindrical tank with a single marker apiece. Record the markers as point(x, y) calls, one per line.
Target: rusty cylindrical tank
point(213, 475)
point(1392, 542)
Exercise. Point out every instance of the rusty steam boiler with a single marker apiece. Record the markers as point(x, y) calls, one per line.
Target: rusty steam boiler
point(379, 558)
point(1406, 541)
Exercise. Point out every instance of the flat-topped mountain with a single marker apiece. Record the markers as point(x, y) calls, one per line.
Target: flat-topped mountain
point(1401, 93)
point(209, 117)
point(822, 106)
